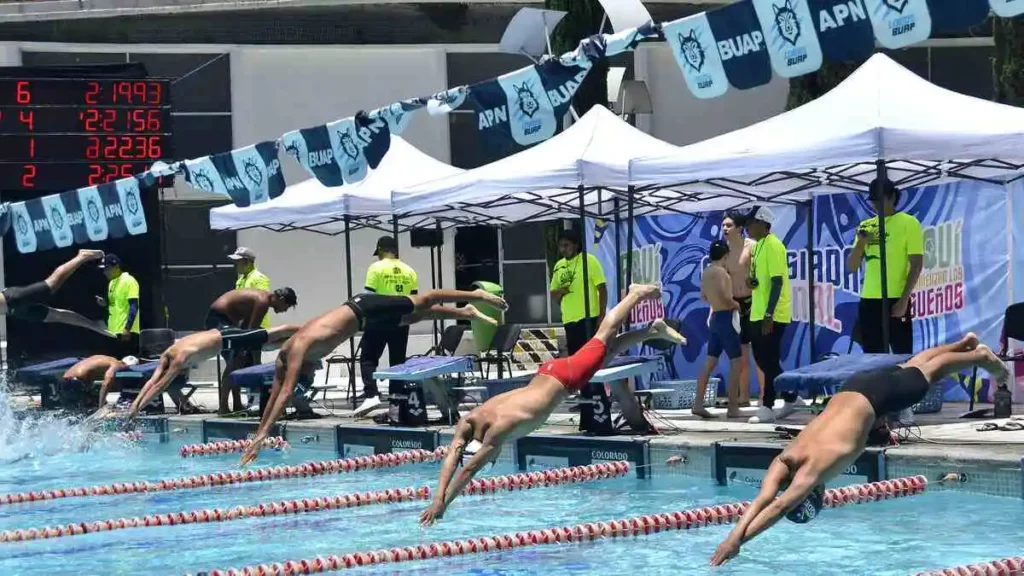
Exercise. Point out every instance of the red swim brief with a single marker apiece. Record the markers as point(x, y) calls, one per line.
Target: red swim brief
point(575, 371)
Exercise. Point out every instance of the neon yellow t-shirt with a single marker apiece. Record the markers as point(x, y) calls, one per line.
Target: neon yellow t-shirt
point(903, 239)
point(569, 274)
point(119, 291)
point(768, 260)
point(255, 280)
point(392, 277)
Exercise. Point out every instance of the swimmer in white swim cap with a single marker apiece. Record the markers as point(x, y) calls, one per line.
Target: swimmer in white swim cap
point(97, 368)
point(506, 417)
point(838, 436)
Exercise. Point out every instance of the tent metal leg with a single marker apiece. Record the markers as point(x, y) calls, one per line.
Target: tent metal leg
point(886, 313)
point(811, 328)
point(348, 283)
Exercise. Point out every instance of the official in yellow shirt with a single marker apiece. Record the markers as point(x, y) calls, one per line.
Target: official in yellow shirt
point(388, 276)
point(904, 259)
point(249, 276)
point(568, 290)
point(122, 303)
point(770, 310)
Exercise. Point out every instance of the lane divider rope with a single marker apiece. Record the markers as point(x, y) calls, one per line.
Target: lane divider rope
point(1005, 567)
point(635, 526)
point(229, 446)
point(511, 482)
point(304, 470)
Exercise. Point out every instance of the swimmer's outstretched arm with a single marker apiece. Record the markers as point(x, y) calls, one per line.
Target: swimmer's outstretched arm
point(286, 375)
point(766, 509)
point(434, 512)
point(108, 379)
point(167, 371)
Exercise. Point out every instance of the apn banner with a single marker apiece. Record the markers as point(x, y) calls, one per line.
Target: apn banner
point(965, 284)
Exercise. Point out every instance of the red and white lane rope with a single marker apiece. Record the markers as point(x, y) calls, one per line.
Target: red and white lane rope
point(636, 526)
point(1006, 567)
point(511, 482)
point(229, 446)
point(307, 469)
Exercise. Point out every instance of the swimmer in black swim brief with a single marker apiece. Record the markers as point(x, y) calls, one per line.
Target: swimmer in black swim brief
point(837, 437)
point(29, 302)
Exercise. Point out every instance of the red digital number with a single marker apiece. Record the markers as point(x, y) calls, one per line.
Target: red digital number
point(122, 146)
point(23, 94)
point(32, 147)
point(110, 120)
point(137, 121)
point(153, 121)
point(28, 118)
point(92, 151)
point(28, 176)
point(123, 90)
point(95, 174)
point(88, 118)
point(139, 92)
point(92, 94)
point(154, 150)
point(156, 94)
point(112, 173)
point(126, 171)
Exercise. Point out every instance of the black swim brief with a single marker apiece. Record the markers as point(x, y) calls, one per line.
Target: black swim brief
point(27, 302)
point(745, 303)
point(379, 311)
point(217, 320)
point(235, 341)
point(889, 389)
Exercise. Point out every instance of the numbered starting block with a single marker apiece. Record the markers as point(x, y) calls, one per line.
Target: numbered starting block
point(407, 405)
point(594, 402)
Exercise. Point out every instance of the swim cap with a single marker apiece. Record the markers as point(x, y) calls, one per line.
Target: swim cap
point(130, 360)
point(808, 509)
point(470, 450)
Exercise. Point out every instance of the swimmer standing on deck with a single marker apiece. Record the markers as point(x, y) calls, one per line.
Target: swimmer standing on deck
point(481, 433)
point(834, 440)
point(724, 327)
point(320, 336)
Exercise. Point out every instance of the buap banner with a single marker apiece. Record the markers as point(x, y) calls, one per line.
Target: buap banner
point(249, 175)
point(91, 214)
point(965, 285)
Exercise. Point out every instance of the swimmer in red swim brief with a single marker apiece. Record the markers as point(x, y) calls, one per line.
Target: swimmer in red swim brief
point(506, 417)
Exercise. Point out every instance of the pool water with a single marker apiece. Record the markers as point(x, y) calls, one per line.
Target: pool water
point(897, 537)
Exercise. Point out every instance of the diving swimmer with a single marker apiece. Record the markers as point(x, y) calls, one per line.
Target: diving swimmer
point(320, 336)
point(506, 417)
point(834, 440)
point(99, 367)
point(202, 346)
point(28, 302)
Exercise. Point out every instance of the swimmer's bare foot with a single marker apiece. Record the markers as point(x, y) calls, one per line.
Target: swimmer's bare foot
point(645, 291)
point(969, 341)
point(472, 312)
point(992, 363)
point(702, 412)
point(661, 330)
point(492, 299)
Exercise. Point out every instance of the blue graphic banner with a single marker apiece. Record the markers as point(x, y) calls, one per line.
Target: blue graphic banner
point(965, 285)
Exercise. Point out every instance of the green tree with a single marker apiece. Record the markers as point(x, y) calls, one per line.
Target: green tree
point(582, 19)
point(1008, 64)
point(803, 89)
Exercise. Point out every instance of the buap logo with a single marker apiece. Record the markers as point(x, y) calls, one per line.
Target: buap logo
point(526, 100)
point(203, 180)
point(93, 210)
point(253, 172)
point(348, 144)
point(22, 224)
point(787, 23)
point(56, 217)
point(131, 199)
point(691, 50)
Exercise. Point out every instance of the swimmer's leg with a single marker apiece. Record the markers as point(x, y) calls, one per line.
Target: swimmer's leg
point(967, 343)
point(58, 316)
point(60, 275)
point(434, 297)
point(607, 332)
point(698, 408)
point(438, 312)
point(940, 365)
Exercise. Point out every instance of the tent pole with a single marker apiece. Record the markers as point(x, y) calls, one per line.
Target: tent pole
point(583, 255)
point(629, 241)
point(810, 280)
point(440, 275)
point(433, 284)
point(886, 313)
point(348, 283)
point(618, 248)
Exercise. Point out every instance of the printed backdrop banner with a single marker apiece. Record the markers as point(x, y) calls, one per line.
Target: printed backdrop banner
point(965, 284)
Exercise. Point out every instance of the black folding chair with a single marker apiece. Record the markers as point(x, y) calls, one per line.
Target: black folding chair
point(500, 351)
point(1013, 329)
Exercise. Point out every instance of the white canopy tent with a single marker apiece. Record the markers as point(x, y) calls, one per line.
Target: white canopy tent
point(309, 205)
point(545, 181)
point(882, 113)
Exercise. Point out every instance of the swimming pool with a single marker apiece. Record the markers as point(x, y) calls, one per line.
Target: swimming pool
point(902, 536)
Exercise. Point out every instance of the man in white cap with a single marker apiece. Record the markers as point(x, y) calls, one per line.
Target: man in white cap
point(248, 276)
point(770, 309)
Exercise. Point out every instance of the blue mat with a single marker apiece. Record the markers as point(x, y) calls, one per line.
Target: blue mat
point(146, 368)
point(258, 376)
point(44, 373)
point(626, 360)
point(827, 377)
point(426, 367)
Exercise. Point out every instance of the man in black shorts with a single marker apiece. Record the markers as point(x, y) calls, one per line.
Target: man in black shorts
point(837, 437)
point(28, 302)
point(199, 347)
point(322, 335)
point(245, 309)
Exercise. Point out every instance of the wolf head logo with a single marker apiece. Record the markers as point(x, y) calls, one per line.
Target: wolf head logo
point(692, 51)
point(92, 210)
point(22, 223)
point(348, 144)
point(787, 22)
point(56, 218)
point(131, 198)
point(896, 5)
point(526, 100)
point(252, 171)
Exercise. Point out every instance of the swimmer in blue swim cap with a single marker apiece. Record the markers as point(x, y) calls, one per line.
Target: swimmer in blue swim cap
point(480, 435)
point(837, 437)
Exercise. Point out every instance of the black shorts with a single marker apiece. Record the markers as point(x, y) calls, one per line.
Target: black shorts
point(379, 311)
point(217, 320)
point(889, 389)
point(238, 341)
point(27, 302)
point(744, 303)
